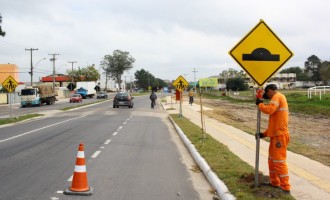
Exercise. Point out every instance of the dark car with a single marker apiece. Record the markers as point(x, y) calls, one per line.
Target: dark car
point(75, 98)
point(102, 95)
point(123, 99)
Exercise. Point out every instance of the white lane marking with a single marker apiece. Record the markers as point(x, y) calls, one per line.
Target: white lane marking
point(115, 133)
point(70, 179)
point(59, 192)
point(20, 135)
point(107, 141)
point(120, 127)
point(124, 122)
point(96, 154)
point(102, 147)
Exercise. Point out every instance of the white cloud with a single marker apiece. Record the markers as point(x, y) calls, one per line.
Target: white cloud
point(166, 37)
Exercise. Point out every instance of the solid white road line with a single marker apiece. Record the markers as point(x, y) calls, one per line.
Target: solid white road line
point(20, 135)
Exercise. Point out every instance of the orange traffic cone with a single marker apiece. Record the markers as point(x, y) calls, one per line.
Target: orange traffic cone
point(79, 184)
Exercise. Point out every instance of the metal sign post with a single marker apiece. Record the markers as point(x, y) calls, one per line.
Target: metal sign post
point(256, 172)
point(180, 84)
point(261, 54)
point(10, 85)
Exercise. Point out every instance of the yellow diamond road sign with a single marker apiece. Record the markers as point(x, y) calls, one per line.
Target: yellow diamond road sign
point(261, 53)
point(10, 84)
point(180, 83)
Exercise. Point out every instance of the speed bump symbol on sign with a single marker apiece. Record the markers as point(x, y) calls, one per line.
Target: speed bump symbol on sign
point(261, 53)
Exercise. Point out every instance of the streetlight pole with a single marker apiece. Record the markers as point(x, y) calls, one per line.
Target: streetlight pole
point(53, 60)
point(31, 72)
point(72, 71)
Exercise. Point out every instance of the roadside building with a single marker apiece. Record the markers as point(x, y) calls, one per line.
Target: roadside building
point(7, 70)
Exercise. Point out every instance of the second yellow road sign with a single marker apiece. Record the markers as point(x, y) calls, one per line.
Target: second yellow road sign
point(180, 83)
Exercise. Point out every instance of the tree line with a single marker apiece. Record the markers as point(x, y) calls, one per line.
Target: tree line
point(314, 70)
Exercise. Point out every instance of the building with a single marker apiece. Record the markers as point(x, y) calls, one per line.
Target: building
point(7, 70)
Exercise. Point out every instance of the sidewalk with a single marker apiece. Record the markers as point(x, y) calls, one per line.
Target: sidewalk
point(309, 179)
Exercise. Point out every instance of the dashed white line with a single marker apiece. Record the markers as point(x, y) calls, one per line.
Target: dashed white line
point(95, 154)
point(115, 133)
point(107, 141)
point(120, 127)
point(70, 179)
point(124, 122)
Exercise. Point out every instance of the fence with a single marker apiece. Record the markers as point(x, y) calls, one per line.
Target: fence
point(317, 90)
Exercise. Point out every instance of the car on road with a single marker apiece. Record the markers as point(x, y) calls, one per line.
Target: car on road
point(102, 95)
point(75, 98)
point(123, 99)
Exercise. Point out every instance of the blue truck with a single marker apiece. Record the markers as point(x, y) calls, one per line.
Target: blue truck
point(86, 89)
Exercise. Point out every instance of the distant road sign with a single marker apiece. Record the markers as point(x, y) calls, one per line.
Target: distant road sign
point(261, 53)
point(71, 86)
point(180, 83)
point(10, 84)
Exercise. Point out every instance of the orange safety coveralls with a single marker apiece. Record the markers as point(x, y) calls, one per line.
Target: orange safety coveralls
point(279, 139)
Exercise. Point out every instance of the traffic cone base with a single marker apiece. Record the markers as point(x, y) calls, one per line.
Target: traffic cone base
point(81, 193)
point(79, 184)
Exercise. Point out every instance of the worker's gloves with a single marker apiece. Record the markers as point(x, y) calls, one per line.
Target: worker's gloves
point(261, 135)
point(259, 101)
point(265, 96)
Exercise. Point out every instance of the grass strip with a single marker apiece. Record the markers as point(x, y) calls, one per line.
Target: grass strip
point(235, 173)
point(18, 119)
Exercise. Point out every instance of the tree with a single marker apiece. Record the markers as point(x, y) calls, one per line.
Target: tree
point(231, 73)
point(312, 68)
point(325, 72)
point(117, 63)
point(300, 74)
point(89, 73)
point(144, 79)
point(2, 33)
point(236, 84)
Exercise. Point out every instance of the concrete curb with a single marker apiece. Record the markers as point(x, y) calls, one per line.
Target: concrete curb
point(216, 183)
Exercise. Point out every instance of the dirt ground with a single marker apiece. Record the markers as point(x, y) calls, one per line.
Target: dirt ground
point(310, 136)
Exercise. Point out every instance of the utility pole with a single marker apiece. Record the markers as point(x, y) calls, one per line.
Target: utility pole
point(195, 79)
point(53, 60)
point(72, 70)
point(31, 69)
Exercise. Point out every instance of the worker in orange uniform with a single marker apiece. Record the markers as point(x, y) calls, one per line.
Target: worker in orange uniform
point(279, 136)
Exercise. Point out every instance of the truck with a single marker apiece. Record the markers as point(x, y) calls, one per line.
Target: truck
point(37, 95)
point(86, 89)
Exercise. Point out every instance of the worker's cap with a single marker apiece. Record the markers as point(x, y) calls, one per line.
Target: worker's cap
point(270, 86)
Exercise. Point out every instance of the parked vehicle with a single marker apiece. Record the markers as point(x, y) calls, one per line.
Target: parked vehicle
point(123, 99)
point(102, 95)
point(86, 89)
point(37, 95)
point(75, 98)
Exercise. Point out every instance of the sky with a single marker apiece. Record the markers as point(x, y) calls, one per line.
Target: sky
point(168, 38)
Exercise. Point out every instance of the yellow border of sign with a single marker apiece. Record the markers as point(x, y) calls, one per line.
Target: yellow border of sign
point(260, 76)
point(185, 83)
point(6, 81)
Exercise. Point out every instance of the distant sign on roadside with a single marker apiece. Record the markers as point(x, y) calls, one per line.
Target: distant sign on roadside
point(10, 84)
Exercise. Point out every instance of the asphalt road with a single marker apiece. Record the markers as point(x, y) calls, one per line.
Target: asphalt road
point(129, 154)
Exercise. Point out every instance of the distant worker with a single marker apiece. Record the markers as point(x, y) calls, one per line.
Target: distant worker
point(279, 136)
point(153, 98)
point(191, 97)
